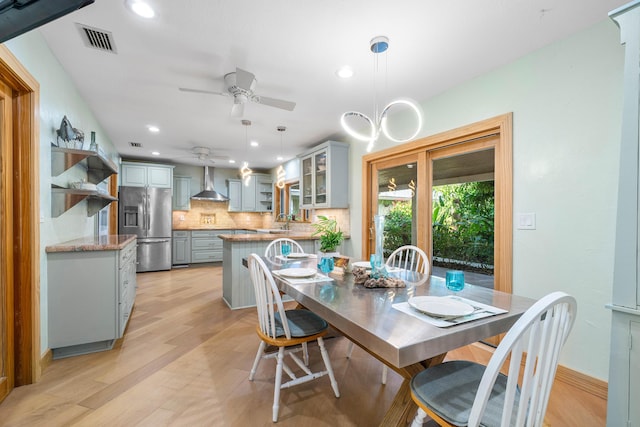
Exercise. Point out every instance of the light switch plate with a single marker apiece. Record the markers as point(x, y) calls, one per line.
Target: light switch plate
point(526, 221)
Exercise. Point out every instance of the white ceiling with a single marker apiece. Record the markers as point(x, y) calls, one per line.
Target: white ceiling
point(294, 49)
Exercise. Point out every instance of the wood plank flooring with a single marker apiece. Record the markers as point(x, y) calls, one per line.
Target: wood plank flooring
point(185, 361)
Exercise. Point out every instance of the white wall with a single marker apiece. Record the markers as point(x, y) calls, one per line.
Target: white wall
point(566, 101)
point(58, 97)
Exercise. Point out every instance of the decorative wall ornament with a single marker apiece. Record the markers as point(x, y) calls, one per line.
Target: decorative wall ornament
point(72, 137)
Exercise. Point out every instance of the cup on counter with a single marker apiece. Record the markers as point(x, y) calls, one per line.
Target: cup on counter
point(455, 280)
point(326, 264)
point(286, 250)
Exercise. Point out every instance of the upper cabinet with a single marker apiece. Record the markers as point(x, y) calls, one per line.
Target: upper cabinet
point(264, 194)
point(181, 193)
point(256, 196)
point(99, 168)
point(325, 176)
point(146, 175)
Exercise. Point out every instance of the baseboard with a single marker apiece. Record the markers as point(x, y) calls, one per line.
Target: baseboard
point(576, 379)
point(46, 360)
point(584, 382)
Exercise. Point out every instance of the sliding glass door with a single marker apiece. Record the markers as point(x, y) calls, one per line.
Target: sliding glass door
point(450, 195)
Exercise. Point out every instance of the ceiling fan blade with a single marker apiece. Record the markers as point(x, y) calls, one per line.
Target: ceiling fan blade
point(237, 110)
point(244, 79)
point(278, 103)
point(210, 92)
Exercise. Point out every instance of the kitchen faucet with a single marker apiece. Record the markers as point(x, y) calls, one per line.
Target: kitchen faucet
point(287, 218)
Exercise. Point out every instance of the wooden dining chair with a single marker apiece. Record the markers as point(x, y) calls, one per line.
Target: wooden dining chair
point(410, 258)
point(286, 330)
point(463, 393)
point(275, 247)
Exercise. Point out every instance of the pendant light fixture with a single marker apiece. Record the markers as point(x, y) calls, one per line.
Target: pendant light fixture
point(280, 173)
point(245, 171)
point(379, 45)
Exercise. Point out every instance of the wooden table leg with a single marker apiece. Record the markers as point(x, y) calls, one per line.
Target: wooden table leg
point(403, 408)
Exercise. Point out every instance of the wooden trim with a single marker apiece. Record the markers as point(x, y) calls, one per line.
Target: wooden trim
point(501, 126)
point(26, 214)
point(583, 382)
point(113, 207)
point(46, 359)
point(568, 376)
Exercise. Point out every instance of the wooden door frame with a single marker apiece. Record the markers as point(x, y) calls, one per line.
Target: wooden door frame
point(502, 127)
point(24, 153)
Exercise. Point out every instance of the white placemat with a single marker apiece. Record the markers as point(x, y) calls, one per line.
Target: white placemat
point(317, 278)
point(483, 310)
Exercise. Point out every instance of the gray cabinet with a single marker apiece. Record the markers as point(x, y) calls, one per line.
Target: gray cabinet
point(264, 194)
point(206, 246)
point(325, 176)
point(181, 247)
point(181, 193)
point(91, 295)
point(624, 375)
point(248, 196)
point(146, 175)
point(234, 187)
point(256, 196)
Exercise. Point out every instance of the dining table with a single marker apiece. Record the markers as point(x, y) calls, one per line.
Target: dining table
point(381, 322)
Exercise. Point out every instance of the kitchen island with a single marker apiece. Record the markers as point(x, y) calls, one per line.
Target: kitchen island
point(92, 289)
point(237, 289)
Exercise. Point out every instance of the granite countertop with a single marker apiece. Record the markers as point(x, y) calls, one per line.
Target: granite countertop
point(209, 227)
point(259, 237)
point(112, 242)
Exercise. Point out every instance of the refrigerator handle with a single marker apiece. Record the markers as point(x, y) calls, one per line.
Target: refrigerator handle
point(148, 216)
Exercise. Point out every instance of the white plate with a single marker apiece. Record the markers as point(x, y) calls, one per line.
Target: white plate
point(297, 272)
point(362, 264)
point(298, 255)
point(440, 307)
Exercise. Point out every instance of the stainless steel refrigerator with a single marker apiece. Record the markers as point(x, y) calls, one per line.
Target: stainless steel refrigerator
point(146, 212)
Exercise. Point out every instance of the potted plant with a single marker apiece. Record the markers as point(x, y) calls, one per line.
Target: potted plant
point(330, 235)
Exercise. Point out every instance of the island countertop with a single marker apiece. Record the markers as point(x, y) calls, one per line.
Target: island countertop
point(261, 237)
point(112, 242)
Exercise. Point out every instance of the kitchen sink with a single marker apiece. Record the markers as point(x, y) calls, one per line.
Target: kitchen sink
point(272, 230)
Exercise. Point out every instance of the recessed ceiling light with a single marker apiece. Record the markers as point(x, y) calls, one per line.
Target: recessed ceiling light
point(154, 129)
point(254, 143)
point(345, 72)
point(140, 8)
point(279, 158)
point(155, 153)
point(232, 161)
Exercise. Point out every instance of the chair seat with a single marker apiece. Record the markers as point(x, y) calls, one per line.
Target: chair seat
point(302, 323)
point(449, 390)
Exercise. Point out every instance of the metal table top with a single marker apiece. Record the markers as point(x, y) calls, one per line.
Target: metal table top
point(367, 317)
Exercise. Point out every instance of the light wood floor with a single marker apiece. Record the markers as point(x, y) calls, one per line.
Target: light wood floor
point(185, 360)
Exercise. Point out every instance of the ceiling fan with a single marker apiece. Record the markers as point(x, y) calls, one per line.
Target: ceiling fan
point(240, 84)
point(204, 155)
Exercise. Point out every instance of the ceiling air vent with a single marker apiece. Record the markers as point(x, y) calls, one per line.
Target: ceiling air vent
point(135, 144)
point(97, 38)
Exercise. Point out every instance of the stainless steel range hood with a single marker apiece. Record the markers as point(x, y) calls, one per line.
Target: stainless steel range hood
point(209, 193)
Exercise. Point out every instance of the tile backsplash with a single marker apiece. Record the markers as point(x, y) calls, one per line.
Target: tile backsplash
point(205, 214)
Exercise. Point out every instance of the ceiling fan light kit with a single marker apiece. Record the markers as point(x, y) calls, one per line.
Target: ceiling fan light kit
point(373, 128)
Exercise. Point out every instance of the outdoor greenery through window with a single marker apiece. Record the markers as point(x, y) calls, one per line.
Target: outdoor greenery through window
point(463, 225)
